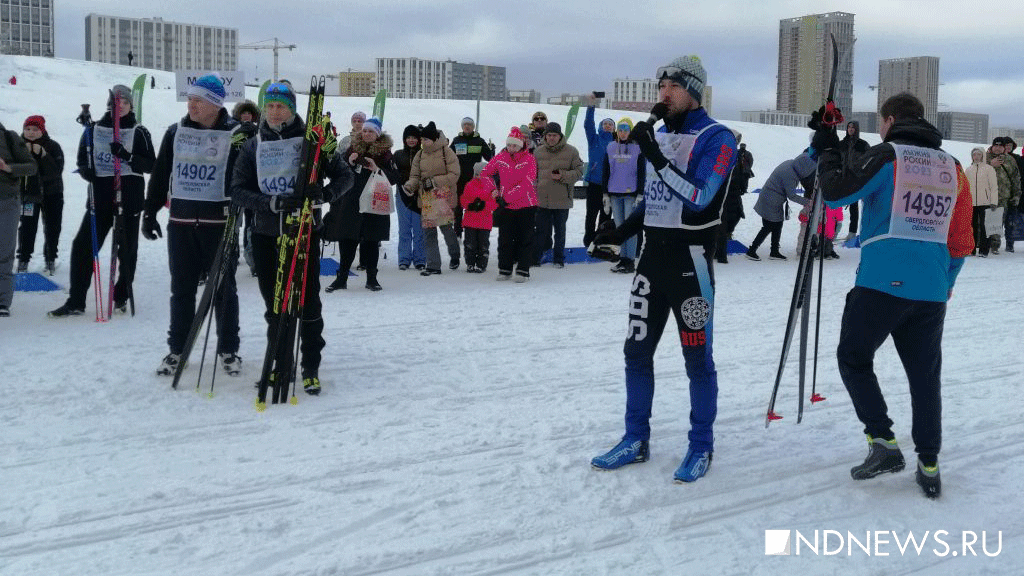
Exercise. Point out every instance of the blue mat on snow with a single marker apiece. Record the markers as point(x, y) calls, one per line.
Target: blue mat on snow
point(329, 267)
point(735, 247)
point(575, 255)
point(33, 282)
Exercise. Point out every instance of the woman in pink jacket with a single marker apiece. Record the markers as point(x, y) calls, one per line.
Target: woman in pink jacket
point(515, 170)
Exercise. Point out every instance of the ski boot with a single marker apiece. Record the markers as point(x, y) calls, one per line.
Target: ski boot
point(625, 452)
point(883, 456)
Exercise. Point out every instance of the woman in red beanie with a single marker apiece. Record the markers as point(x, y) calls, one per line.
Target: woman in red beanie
point(41, 194)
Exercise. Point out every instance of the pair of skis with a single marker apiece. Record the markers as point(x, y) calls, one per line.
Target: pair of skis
point(281, 360)
point(225, 254)
point(118, 234)
point(118, 226)
point(800, 302)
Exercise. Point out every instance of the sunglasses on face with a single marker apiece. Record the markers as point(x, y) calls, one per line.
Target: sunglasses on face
point(540, 118)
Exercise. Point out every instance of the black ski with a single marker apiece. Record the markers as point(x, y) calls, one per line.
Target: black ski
point(804, 270)
point(226, 250)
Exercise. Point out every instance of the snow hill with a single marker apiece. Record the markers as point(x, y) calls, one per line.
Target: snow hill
point(459, 416)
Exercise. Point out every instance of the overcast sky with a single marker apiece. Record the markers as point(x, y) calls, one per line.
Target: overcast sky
point(580, 46)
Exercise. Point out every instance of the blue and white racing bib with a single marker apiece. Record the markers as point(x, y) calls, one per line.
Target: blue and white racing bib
point(924, 194)
point(102, 159)
point(200, 164)
point(277, 165)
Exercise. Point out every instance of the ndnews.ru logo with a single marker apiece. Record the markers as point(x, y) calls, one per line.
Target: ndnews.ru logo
point(879, 543)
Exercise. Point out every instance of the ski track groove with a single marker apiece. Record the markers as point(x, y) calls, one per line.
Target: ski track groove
point(44, 544)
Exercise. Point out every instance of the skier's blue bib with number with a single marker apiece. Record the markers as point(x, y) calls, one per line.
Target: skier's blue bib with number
point(200, 164)
point(102, 159)
point(277, 165)
point(664, 206)
point(924, 194)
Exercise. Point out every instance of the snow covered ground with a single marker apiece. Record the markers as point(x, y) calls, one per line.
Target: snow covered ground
point(459, 416)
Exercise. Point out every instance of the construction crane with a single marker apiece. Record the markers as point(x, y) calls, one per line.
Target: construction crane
point(276, 47)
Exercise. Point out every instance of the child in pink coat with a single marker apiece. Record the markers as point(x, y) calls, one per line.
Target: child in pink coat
point(478, 206)
point(516, 195)
point(833, 220)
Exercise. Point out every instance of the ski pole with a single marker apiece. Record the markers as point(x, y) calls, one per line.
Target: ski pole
point(817, 320)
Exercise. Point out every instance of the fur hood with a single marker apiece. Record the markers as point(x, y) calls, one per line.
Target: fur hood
point(376, 149)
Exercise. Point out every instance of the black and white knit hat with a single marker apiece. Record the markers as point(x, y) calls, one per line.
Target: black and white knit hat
point(688, 72)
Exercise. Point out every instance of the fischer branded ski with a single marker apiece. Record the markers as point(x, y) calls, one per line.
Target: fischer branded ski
point(281, 359)
point(805, 270)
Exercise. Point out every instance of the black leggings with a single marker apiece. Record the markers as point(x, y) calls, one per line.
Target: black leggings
point(773, 228)
point(369, 252)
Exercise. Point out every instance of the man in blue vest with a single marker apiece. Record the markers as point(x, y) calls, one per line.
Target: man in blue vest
point(688, 163)
point(915, 233)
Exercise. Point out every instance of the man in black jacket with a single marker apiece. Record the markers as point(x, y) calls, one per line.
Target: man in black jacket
point(193, 168)
point(96, 152)
point(263, 180)
point(470, 148)
point(853, 146)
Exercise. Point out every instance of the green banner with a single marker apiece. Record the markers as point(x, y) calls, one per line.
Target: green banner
point(570, 120)
point(262, 95)
point(378, 104)
point(137, 89)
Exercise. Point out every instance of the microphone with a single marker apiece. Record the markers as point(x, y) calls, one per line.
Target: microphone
point(658, 112)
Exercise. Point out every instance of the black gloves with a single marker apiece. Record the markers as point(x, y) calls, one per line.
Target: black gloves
point(476, 205)
point(825, 136)
point(643, 134)
point(87, 173)
point(823, 122)
point(608, 234)
point(606, 242)
point(289, 203)
point(428, 184)
point(118, 149)
point(150, 227)
point(501, 212)
point(315, 192)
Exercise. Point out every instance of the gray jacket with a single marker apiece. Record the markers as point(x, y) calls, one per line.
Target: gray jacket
point(18, 159)
point(771, 202)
